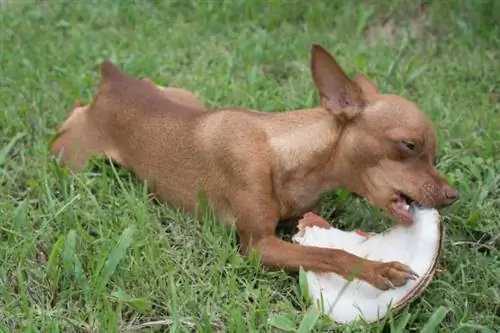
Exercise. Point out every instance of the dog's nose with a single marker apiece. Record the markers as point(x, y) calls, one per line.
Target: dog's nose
point(450, 195)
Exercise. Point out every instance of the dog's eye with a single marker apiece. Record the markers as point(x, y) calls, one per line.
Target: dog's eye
point(409, 145)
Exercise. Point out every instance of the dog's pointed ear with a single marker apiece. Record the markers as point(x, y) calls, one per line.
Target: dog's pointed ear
point(367, 85)
point(110, 71)
point(339, 94)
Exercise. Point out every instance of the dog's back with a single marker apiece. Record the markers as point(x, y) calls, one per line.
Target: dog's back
point(164, 135)
point(121, 122)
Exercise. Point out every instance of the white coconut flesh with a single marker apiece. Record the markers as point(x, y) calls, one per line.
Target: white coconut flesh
point(417, 245)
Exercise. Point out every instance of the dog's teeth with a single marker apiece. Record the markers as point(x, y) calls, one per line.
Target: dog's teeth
point(407, 207)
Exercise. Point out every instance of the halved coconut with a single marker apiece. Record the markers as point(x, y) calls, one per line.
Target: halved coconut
point(418, 246)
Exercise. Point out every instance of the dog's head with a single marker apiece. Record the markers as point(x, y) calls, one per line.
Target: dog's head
point(387, 144)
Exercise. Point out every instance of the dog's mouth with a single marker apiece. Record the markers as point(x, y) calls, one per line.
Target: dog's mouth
point(402, 207)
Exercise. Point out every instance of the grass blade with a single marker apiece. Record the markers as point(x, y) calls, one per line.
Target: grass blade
point(19, 217)
point(399, 325)
point(304, 287)
point(115, 257)
point(71, 262)
point(282, 322)
point(473, 328)
point(436, 319)
point(173, 292)
point(53, 270)
point(6, 150)
point(138, 304)
point(309, 320)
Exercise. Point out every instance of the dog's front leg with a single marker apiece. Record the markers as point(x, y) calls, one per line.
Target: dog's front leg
point(256, 227)
point(276, 253)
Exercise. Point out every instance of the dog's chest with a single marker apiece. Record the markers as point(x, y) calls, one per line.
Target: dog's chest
point(299, 197)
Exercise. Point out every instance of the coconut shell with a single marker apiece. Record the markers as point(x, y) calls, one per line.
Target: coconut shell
point(418, 246)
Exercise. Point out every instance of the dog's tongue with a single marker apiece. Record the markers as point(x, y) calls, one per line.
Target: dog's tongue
point(403, 208)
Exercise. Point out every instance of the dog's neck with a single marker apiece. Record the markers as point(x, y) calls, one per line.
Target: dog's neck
point(307, 139)
point(307, 146)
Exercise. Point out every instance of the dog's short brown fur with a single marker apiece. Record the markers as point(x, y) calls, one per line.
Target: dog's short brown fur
point(259, 168)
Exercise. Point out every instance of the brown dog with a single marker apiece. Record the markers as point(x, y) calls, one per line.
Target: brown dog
point(259, 168)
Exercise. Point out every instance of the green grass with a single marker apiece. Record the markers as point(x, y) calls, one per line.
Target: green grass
point(91, 252)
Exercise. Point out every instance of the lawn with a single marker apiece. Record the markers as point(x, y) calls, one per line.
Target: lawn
point(93, 253)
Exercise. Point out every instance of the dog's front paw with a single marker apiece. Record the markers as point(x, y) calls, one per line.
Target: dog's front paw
point(388, 275)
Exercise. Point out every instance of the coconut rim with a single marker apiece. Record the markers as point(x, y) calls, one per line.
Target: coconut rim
point(419, 288)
